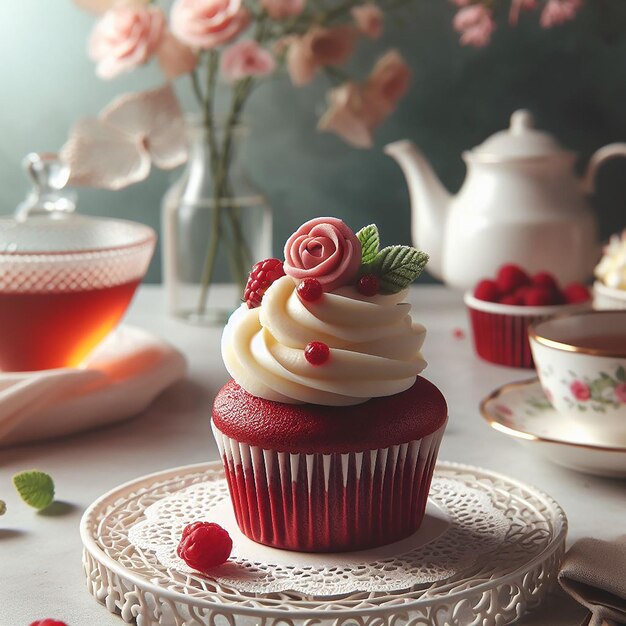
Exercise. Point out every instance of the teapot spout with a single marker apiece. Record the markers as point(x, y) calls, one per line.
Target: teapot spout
point(429, 202)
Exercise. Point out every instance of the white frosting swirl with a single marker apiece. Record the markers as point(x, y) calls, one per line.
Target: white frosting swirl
point(375, 347)
point(612, 268)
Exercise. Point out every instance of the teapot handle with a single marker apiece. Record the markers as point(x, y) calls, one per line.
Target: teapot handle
point(610, 151)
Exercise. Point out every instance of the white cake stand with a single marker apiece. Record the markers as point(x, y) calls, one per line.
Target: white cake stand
point(502, 583)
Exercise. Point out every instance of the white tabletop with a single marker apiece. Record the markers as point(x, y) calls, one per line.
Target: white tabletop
point(40, 554)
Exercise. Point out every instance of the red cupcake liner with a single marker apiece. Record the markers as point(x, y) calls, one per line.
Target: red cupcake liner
point(500, 331)
point(329, 502)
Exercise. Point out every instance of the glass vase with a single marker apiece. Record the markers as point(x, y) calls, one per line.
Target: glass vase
point(215, 226)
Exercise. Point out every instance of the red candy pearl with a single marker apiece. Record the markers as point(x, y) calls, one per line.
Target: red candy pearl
point(316, 353)
point(310, 290)
point(368, 285)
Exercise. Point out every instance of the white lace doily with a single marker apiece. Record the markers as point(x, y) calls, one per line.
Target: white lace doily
point(461, 522)
point(501, 583)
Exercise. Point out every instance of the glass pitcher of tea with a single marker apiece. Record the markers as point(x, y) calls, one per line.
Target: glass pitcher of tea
point(65, 279)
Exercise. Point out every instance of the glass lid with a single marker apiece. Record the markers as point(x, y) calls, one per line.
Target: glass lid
point(45, 221)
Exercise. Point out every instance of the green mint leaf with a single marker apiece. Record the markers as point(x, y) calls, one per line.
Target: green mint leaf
point(621, 374)
point(398, 266)
point(35, 488)
point(370, 242)
point(3, 507)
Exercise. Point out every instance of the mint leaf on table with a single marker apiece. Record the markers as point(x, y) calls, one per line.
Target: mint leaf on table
point(398, 266)
point(35, 488)
point(370, 242)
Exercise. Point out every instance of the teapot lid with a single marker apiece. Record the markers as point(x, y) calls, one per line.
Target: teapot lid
point(520, 141)
point(45, 221)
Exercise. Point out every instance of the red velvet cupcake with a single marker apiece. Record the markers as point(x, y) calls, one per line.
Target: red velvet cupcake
point(328, 435)
point(325, 479)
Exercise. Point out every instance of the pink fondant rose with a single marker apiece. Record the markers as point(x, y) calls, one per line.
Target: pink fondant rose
point(323, 248)
point(207, 24)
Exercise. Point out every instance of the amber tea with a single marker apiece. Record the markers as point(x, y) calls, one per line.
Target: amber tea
point(52, 329)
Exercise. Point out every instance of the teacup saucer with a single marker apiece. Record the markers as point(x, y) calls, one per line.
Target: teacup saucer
point(522, 411)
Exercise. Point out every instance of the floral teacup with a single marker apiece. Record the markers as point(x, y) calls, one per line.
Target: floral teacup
point(581, 362)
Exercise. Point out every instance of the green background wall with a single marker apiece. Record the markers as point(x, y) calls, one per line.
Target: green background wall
point(572, 77)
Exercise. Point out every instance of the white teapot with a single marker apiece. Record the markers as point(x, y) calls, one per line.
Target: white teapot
point(521, 203)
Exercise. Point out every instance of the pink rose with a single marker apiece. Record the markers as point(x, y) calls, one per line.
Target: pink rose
point(352, 114)
point(126, 36)
point(207, 24)
point(518, 7)
point(620, 392)
point(354, 111)
point(369, 20)
point(389, 79)
point(280, 9)
point(175, 58)
point(246, 58)
point(317, 48)
point(580, 390)
point(557, 12)
point(323, 248)
point(475, 23)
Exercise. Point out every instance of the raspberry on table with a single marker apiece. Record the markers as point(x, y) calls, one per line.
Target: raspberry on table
point(48, 622)
point(204, 545)
point(576, 293)
point(310, 290)
point(316, 352)
point(487, 290)
point(262, 275)
point(511, 277)
point(368, 285)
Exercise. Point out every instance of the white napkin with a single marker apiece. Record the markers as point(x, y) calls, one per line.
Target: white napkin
point(119, 380)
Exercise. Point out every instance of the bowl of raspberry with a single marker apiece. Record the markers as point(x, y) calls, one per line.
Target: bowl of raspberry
point(502, 308)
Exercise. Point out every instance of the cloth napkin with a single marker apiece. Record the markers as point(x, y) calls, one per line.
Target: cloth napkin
point(119, 380)
point(594, 574)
